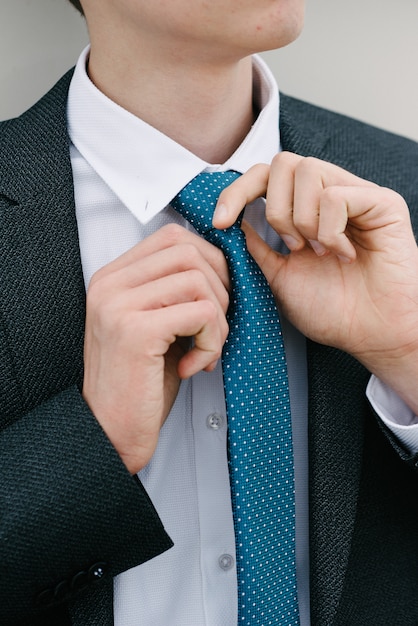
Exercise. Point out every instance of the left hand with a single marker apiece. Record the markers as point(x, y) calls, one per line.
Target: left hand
point(351, 278)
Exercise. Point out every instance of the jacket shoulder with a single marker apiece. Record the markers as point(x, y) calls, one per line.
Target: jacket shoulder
point(321, 122)
point(33, 144)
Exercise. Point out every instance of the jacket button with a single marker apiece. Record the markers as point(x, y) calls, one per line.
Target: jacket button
point(97, 571)
point(44, 598)
point(79, 581)
point(61, 591)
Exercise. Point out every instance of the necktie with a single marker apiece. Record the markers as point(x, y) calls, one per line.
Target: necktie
point(259, 424)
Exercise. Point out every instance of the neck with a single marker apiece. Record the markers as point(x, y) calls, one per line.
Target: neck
point(207, 108)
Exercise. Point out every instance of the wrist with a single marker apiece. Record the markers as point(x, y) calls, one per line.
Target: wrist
point(398, 370)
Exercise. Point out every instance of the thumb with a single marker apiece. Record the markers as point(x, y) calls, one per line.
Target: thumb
point(269, 261)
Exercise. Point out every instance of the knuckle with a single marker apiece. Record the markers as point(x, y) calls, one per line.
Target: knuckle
point(211, 311)
point(304, 223)
point(197, 280)
point(391, 197)
point(332, 195)
point(307, 164)
point(278, 159)
point(224, 330)
point(284, 158)
point(208, 313)
point(278, 219)
point(217, 352)
point(224, 300)
point(261, 169)
point(190, 254)
point(99, 277)
point(327, 239)
point(258, 173)
point(172, 233)
point(95, 292)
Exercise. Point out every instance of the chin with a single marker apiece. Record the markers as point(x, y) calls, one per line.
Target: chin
point(283, 29)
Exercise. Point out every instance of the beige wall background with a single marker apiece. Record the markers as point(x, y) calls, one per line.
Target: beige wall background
point(358, 57)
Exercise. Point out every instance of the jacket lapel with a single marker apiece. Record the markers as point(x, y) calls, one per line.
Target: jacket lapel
point(43, 308)
point(335, 427)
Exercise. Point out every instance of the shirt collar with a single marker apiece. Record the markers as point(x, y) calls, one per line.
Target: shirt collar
point(141, 165)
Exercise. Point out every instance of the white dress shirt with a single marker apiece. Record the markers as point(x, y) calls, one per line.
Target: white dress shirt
point(125, 174)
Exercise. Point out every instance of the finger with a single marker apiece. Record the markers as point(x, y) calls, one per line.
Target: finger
point(166, 262)
point(200, 321)
point(180, 288)
point(145, 337)
point(167, 238)
point(174, 261)
point(309, 186)
point(332, 223)
point(267, 259)
point(280, 199)
point(186, 286)
point(357, 214)
point(312, 176)
point(245, 189)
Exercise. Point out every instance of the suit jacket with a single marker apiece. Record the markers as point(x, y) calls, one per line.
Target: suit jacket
point(71, 516)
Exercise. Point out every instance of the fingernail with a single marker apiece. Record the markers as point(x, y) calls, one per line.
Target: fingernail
point(220, 213)
point(344, 259)
point(317, 247)
point(291, 242)
point(211, 367)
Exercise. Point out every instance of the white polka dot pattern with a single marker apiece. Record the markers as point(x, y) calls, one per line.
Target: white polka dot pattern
point(259, 424)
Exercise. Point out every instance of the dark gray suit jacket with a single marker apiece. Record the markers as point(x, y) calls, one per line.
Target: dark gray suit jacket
point(71, 517)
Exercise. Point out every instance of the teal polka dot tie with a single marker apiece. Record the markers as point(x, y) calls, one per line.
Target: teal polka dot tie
point(259, 423)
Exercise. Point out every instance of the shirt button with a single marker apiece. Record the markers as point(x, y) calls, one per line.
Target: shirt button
point(214, 421)
point(226, 561)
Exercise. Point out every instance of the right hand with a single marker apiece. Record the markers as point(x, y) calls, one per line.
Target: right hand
point(155, 315)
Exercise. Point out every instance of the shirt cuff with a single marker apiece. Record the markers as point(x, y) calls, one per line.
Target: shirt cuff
point(394, 413)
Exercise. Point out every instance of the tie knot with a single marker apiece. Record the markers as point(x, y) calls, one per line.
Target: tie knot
point(197, 200)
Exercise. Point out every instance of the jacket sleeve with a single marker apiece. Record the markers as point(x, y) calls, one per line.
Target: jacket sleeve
point(70, 513)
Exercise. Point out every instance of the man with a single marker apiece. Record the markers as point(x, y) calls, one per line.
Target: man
point(113, 441)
